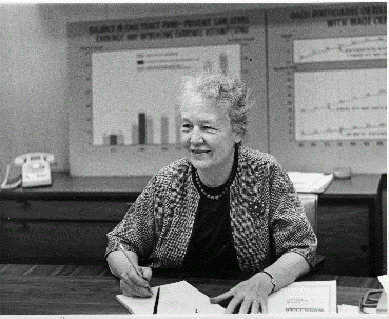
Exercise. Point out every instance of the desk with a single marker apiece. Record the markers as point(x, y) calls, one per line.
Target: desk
point(67, 223)
point(349, 226)
point(61, 295)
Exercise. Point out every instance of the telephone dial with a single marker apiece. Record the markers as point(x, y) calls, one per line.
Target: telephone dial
point(36, 171)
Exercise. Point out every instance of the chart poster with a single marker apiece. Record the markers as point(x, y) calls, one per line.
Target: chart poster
point(124, 80)
point(328, 88)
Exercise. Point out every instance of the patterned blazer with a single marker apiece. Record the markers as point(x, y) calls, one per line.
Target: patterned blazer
point(267, 217)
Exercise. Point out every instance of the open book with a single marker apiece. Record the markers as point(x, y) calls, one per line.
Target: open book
point(177, 298)
point(182, 298)
point(310, 182)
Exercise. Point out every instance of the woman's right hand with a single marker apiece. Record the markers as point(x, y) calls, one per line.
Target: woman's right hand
point(132, 285)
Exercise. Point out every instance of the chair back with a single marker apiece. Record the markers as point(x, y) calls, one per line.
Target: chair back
point(309, 202)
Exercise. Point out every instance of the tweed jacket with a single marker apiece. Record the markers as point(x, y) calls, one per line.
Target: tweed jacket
point(267, 218)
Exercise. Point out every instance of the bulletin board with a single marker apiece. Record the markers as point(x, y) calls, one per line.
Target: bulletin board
point(328, 87)
point(124, 78)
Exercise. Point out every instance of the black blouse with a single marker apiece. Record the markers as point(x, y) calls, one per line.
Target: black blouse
point(211, 249)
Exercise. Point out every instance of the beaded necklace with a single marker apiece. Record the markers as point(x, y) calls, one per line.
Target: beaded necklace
point(214, 197)
point(226, 185)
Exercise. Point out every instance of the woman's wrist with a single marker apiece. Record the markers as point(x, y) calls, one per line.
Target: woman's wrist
point(272, 280)
point(118, 262)
point(265, 282)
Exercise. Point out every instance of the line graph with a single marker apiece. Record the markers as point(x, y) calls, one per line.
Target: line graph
point(340, 49)
point(346, 104)
point(340, 104)
point(368, 130)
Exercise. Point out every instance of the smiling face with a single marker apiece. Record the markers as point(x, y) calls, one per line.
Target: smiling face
point(207, 134)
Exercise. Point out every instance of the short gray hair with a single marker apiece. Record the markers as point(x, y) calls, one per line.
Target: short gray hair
point(228, 92)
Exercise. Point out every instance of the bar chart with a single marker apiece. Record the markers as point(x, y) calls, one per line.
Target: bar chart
point(136, 92)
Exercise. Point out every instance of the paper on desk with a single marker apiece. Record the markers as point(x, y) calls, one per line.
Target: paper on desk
point(384, 282)
point(310, 182)
point(305, 296)
point(177, 298)
point(182, 298)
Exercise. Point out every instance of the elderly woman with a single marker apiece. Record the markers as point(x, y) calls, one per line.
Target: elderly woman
point(224, 210)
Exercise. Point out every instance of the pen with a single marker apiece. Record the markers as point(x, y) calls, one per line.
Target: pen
point(137, 270)
point(156, 302)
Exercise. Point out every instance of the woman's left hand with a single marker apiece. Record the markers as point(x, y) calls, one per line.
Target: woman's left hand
point(252, 295)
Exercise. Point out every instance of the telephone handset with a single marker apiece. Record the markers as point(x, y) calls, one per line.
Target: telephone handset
point(35, 170)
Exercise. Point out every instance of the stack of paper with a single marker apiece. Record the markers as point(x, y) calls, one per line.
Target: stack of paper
point(310, 182)
point(182, 298)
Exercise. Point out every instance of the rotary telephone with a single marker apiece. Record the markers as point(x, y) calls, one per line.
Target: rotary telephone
point(36, 171)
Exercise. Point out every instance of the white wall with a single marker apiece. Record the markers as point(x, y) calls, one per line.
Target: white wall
point(33, 67)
